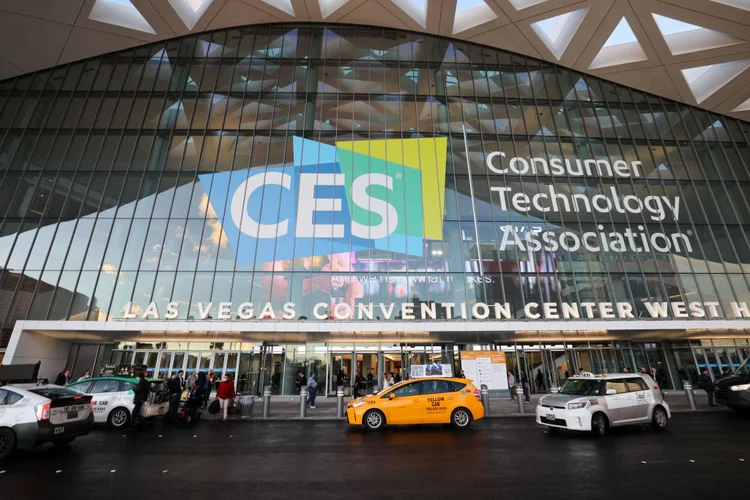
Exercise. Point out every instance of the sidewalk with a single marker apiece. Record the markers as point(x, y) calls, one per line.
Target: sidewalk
point(287, 407)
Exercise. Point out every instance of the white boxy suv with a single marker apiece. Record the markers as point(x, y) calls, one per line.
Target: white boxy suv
point(595, 403)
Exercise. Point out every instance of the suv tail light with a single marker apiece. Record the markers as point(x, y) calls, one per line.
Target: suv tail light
point(42, 411)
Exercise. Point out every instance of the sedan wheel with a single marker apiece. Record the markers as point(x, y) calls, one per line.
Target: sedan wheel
point(7, 442)
point(119, 418)
point(461, 418)
point(374, 420)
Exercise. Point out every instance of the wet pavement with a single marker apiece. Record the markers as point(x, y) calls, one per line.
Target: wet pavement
point(702, 455)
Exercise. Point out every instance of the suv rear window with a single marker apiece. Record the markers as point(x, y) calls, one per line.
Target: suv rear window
point(55, 392)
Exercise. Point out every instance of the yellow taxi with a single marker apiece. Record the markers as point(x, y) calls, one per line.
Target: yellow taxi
point(419, 401)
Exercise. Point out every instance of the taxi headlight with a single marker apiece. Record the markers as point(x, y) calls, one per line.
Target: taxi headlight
point(358, 404)
point(742, 387)
point(577, 406)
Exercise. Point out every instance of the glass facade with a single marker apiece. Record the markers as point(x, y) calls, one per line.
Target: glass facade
point(227, 167)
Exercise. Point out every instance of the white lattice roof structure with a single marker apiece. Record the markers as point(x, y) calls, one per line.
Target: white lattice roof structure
point(694, 51)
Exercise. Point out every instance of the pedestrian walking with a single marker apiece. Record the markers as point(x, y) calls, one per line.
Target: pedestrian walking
point(140, 396)
point(210, 381)
point(539, 380)
point(512, 385)
point(705, 383)
point(525, 386)
point(312, 386)
point(340, 378)
point(63, 377)
point(174, 385)
point(225, 394)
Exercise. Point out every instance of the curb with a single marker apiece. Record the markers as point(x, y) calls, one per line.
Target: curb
point(512, 415)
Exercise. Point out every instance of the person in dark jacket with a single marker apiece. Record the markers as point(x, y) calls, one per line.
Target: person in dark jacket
point(705, 383)
point(300, 382)
point(524, 380)
point(140, 396)
point(175, 391)
point(63, 378)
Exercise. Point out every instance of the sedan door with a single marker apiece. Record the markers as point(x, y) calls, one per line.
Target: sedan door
point(439, 398)
point(105, 395)
point(405, 407)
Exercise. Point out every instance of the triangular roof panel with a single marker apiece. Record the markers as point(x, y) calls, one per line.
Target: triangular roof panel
point(190, 11)
point(328, 7)
point(745, 106)
point(705, 81)
point(471, 13)
point(525, 4)
point(622, 47)
point(120, 13)
point(282, 5)
point(416, 9)
point(740, 4)
point(684, 38)
point(557, 32)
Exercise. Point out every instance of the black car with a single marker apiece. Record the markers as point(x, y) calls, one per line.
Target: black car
point(734, 390)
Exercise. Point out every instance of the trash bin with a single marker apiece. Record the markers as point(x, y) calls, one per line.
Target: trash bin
point(245, 404)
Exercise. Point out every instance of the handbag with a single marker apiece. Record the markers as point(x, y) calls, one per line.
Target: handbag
point(214, 407)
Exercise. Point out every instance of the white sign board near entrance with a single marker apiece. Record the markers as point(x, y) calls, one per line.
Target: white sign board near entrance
point(432, 370)
point(485, 368)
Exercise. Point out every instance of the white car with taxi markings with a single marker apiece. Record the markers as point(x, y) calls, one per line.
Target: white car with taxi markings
point(112, 399)
point(595, 403)
point(32, 414)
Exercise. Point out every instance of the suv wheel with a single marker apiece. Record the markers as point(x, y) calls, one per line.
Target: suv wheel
point(599, 424)
point(461, 418)
point(374, 420)
point(118, 418)
point(7, 442)
point(659, 419)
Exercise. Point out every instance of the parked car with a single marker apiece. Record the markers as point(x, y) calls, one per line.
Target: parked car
point(113, 399)
point(734, 390)
point(595, 403)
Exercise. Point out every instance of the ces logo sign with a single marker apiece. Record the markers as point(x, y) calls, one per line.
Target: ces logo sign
point(357, 195)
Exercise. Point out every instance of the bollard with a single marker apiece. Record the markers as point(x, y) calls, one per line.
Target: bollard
point(303, 402)
point(340, 402)
point(689, 393)
point(266, 401)
point(485, 399)
point(519, 396)
point(554, 389)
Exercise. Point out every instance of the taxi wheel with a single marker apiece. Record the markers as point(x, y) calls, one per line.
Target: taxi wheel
point(599, 424)
point(7, 442)
point(659, 419)
point(118, 418)
point(374, 420)
point(461, 418)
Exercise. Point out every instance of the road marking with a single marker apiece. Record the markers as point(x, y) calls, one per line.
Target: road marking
point(58, 471)
point(113, 471)
point(691, 461)
point(164, 471)
point(643, 461)
point(2, 472)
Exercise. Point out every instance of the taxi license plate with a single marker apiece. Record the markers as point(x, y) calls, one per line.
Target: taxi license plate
point(550, 416)
point(72, 414)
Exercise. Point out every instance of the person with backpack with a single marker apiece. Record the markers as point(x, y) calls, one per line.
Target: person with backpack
point(312, 386)
point(225, 393)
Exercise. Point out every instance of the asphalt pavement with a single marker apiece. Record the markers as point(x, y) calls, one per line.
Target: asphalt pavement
point(702, 455)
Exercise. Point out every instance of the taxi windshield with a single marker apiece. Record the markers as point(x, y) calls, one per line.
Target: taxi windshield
point(581, 387)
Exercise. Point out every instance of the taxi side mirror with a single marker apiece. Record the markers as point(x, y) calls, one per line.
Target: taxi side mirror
point(391, 396)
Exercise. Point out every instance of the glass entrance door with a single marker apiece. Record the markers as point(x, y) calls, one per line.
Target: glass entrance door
point(340, 372)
